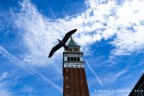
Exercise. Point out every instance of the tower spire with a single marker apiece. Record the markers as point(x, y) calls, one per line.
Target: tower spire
point(72, 43)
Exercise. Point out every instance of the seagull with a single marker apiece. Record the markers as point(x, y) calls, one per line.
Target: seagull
point(62, 43)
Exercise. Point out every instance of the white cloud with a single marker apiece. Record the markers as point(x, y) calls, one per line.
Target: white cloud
point(119, 74)
point(128, 41)
point(129, 15)
point(28, 89)
point(3, 75)
point(40, 32)
point(114, 76)
point(4, 91)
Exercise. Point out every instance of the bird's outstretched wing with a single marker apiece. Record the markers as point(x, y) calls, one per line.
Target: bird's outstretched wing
point(54, 49)
point(70, 33)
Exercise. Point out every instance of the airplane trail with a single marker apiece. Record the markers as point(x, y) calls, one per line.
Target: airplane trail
point(50, 8)
point(28, 69)
point(94, 73)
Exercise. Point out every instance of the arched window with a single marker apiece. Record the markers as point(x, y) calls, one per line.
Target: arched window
point(74, 58)
point(78, 59)
point(71, 66)
point(68, 58)
point(81, 66)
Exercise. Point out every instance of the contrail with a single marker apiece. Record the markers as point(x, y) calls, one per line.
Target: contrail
point(93, 70)
point(52, 11)
point(94, 73)
point(29, 69)
point(49, 8)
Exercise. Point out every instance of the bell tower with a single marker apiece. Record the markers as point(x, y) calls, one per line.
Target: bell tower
point(74, 77)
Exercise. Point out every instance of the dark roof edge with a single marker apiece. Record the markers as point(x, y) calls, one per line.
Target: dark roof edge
point(137, 85)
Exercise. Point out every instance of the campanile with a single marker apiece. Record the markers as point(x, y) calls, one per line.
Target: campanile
point(74, 77)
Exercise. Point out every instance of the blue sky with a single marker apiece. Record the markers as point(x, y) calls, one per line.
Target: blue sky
point(110, 33)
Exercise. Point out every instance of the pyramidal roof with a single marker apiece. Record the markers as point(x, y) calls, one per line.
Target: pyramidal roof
point(72, 43)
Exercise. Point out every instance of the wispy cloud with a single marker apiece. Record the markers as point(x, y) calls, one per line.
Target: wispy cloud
point(28, 69)
point(3, 75)
point(114, 76)
point(117, 75)
point(28, 89)
point(4, 91)
point(101, 20)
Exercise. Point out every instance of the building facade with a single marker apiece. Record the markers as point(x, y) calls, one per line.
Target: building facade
point(74, 77)
point(138, 90)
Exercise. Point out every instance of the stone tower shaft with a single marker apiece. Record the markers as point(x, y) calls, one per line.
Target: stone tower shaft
point(74, 77)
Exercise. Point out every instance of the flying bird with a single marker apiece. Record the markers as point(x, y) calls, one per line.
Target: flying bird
point(62, 43)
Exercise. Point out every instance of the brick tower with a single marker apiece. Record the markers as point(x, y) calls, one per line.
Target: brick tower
point(75, 82)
